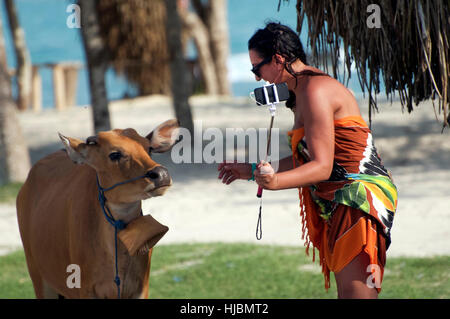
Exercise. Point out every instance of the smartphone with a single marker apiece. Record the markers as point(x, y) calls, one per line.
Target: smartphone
point(273, 90)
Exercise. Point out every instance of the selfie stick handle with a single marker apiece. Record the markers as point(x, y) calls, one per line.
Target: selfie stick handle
point(260, 189)
point(259, 193)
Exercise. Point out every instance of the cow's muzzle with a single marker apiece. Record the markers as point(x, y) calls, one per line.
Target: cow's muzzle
point(159, 176)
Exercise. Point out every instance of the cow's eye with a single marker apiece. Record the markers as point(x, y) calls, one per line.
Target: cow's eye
point(115, 156)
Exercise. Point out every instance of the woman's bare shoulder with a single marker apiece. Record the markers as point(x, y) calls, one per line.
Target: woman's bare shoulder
point(315, 88)
point(322, 83)
point(330, 93)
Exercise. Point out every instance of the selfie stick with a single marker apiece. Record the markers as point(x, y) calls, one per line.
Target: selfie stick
point(272, 110)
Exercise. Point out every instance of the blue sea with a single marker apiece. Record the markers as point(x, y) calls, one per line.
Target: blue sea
point(50, 40)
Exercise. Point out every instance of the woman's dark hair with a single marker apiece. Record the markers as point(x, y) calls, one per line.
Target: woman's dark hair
point(276, 38)
point(290, 103)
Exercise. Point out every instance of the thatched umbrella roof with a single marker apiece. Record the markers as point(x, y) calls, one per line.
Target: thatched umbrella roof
point(135, 36)
point(410, 50)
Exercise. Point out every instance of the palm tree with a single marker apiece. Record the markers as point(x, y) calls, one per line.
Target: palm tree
point(14, 159)
point(140, 47)
point(207, 25)
point(135, 36)
point(213, 16)
point(180, 87)
point(96, 57)
point(22, 56)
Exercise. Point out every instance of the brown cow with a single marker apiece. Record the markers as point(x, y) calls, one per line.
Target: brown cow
point(62, 224)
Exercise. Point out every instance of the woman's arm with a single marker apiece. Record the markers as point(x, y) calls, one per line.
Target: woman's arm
point(229, 172)
point(318, 117)
point(284, 164)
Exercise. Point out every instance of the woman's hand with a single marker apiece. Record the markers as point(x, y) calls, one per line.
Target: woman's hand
point(229, 172)
point(265, 176)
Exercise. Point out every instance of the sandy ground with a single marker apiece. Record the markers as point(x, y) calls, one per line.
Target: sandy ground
point(199, 208)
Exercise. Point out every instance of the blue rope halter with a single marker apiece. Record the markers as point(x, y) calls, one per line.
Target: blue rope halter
point(117, 224)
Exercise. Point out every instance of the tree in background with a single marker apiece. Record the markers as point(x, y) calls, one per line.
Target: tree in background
point(96, 56)
point(23, 58)
point(178, 69)
point(405, 42)
point(14, 160)
point(135, 35)
point(195, 29)
point(207, 25)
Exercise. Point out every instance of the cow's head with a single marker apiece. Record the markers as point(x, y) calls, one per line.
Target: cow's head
point(121, 155)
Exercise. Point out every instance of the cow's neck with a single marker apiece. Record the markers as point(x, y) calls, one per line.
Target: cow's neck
point(125, 212)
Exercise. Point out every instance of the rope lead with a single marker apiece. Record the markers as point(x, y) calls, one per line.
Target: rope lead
point(259, 223)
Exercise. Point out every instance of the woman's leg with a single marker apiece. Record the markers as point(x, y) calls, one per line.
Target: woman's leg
point(351, 281)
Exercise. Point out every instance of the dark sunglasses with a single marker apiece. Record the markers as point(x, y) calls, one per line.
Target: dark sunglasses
point(256, 68)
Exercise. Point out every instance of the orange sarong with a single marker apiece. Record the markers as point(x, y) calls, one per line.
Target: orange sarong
point(339, 225)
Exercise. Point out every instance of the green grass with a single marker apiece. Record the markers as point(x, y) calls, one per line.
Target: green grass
point(8, 192)
point(14, 279)
point(251, 271)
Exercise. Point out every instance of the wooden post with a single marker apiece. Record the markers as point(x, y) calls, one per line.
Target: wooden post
point(36, 89)
point(59, 90)
point(70, 79)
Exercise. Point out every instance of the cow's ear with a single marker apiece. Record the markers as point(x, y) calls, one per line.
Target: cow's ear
point(75, 148)
point(164, 136)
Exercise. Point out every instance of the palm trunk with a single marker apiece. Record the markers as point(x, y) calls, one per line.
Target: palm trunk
point(23, 57)
point(213, 17)
point(14, 160)
point(199, 32)
point(97, 64)
point(178, 68)
point(220, 42)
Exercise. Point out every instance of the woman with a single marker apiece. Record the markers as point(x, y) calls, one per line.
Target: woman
point(347, 198)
